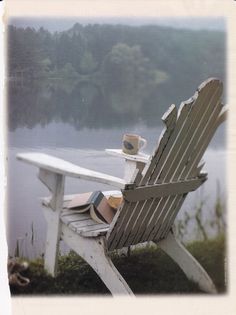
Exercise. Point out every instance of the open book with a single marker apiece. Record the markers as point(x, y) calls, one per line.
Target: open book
point(96, 203)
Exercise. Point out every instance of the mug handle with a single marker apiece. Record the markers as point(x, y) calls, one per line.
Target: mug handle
point(142, 143)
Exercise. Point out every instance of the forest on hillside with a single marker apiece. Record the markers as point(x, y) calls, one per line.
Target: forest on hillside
point(96, 72)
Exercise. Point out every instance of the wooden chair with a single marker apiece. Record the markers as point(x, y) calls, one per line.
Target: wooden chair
point(154, 189)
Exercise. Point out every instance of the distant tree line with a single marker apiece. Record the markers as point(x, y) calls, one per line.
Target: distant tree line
point(128, 72)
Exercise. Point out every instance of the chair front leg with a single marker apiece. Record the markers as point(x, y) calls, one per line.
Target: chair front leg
point(93, 251)
point(55, 183)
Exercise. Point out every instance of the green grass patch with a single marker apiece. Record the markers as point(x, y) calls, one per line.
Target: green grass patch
point(147, 271)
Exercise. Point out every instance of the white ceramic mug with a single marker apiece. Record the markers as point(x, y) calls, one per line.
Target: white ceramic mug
point(131, 143)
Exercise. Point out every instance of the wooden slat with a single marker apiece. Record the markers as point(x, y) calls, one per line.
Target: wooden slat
point(148, 219)
point(169, 215)
point(169, 118)
point(124, 236)
point(159, 214)
point(67, 218)
point(223, 115)
point(55, 183)
point(185, 124)
point(173, 210)
point(193, 150)
point(156, 224)
point(130, 216)
point(165, 227)
point(122, 225)
point(151, 206)
point(199, 124)
point(116, 220)
point(140, 157)
point(59, 166)
point(145, 220)
point(92, 226)
point(198, 152)
point(194, 136)
point(168, 224)
point(202, 137)
point(133, 223)
point(179, 132)
point(82, 223)
point(162, 190)
point(171, 145)
point(94, 233)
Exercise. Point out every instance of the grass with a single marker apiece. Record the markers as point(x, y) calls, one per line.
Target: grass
point(147, 271)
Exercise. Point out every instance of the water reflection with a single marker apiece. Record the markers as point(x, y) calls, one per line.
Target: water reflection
point(84, 105)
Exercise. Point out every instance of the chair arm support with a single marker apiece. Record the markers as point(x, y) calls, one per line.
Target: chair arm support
point(59, 166)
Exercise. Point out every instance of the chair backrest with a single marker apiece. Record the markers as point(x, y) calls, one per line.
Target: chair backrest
point(155, 198)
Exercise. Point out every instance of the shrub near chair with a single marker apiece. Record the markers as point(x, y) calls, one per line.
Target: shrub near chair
point(154, 189)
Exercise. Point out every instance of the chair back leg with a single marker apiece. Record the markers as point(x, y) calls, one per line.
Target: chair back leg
point(190, 266)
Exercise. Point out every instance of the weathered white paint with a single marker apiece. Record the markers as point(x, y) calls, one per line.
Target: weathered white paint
point(169, 119)
point(129, 216)
point(196, 135)
point(65, 168)
point(162, 190)
point(187, 263)
point(140, 157)
point(201, 107)
point(93, 251)
point(56, 183)
point(123, 233)
point(130, 168)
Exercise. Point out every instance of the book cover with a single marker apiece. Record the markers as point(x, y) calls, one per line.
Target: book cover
point(96, 203)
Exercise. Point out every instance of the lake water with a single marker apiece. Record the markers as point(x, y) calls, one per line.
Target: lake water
point(85, 147)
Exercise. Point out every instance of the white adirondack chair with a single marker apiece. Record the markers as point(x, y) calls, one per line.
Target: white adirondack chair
point(154, 188)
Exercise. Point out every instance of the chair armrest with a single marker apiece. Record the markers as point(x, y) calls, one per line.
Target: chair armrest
point(140, 157)
point(65, 168)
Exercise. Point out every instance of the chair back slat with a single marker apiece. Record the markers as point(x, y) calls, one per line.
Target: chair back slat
point(196, 170)
point(169, 118)
point(199, 150)
point(163, 158)
point(129, 216)
point(199, 109)
point(120, 224)
point(178, 155)
point(180, 149)
point(182, 161)
point(196, 136)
